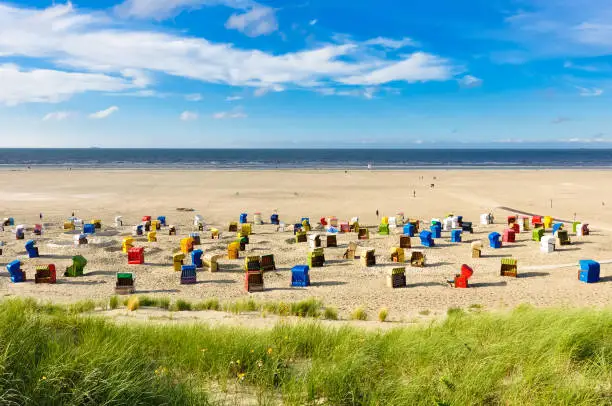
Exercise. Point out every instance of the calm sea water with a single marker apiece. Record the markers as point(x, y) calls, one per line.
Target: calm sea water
point(294, 158)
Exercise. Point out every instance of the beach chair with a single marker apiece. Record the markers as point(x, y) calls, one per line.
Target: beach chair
point(69, 226)
point(467, 227)
point(301, 236)
point(37, 229)
point(20, 232)
point(89, 229)
point(515, 227)
point(267, 263)
point(397, 255)
point(396, 277)
point(383, 229)
point(242, 242)
point(447, 224)
point(118, 221)
point(196, 258)
point(45, 274)
point(548, 221)
point(476, 249)
point(456, 235)
point(214, 234)
point(461, 280)
point(233, 227)
point(333, 221)
point(495, 240)
point(80, 239)
point(210, 262)
point(186, 245)
point(306, 225)
point(351, 251)
point(368, 257)
point(77, 268)
point(136, 256)
point(297, 227)
point(508, 267)
point(162, 220)
point(252, 263)
point(299, 276)
point(582, 230)
point(31, 249)
point(316, 258)
point(196, 238)
point(417, 259)
point(556, 227)
point(589, 271)
point(198, 222)
point(511, 220)
point(331, 240)
point(547, 244)
point(172, 230)
point(138, 230)
point(257, 219)
point(486, 219)
point(524, 224)
point(253, 281)
point(243, 218)
point(188, 275)
point(155, 225)
point(178, 261)
point(399, 218)
point(537, 234)
point(563, 238)
point(363, 234)
point(16, 273)
point(415, 225)
point(314, 241)
point(409, 230)
point(274, 219)
point(344, 227)
point(404, 241)
point(152, 236)
point(354, 225)
point(97, 223)
point(146, 219)
point(426, 239)
point(509, 236)
point(128, 242)
point(392, 223)
point(246, 229)
point(78, 223)
point(125, 283)
point(233, 250)
point(2, 244)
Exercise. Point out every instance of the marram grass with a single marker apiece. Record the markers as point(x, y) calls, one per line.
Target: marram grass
point(52, 356)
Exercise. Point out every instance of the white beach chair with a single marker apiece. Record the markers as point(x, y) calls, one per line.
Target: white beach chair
point(118, 221)
point(547, 244)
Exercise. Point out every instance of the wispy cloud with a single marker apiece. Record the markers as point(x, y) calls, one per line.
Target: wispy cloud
point(57, 116)
point(313, 22)
point(255, 22)
point(592, 92)
point(392, 43)
point(189, 116)
point(195, 97)
point(233, 98)
point(265, 90)
point(104, 113)
point(469, 81)
point(560, 120)
point(233, 114)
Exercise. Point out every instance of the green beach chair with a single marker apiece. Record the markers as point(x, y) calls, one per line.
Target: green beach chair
point(77, 267)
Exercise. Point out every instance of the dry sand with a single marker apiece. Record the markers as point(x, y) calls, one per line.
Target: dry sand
point(219, 196)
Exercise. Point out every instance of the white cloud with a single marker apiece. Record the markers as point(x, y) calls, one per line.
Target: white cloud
point(560, 120)
point(195, 97)
point(104, 113)
point(236, 113)
point(265, 90)
point(125, 59)
point(57, 116)
point(255, 22)
point(233, 98)
point(313, 22)
point(418, 67)
point(367, 93)
point(162, 9)
point(189, 116)
point(392, 43)
point(593, 92)
point(52, 86)
point(470, 81)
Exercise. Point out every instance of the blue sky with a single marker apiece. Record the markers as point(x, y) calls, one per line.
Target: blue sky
point(308, 73)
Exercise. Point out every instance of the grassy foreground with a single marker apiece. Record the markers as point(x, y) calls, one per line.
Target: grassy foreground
point(49, 355)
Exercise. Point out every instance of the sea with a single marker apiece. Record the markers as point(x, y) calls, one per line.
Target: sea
point(262, 159)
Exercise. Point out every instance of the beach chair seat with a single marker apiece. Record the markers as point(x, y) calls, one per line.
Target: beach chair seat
point(267, 263)
point(547, 244)
point(456, 235)
point(214, 234)
point(45, 274)
point(254, 281)
point(274, 219)
point(257, 219)
point(353, 227)
point(417, 259)
point(210, 262)
point(38, 229)
point(136, 256)
point(252, 263)
point(462, 280)
point(233, 227)
point(509, 236)
point(476, 249)
point(233, 250)
point(509, 267)
point(128, 242)
point(404, 241)
point(495, 240)
point(314, 241)
point(89, 229)
point(331, 240)
point(69, 226)
point(426, 239)
point(383, 229)
point(118, 221)
point(172, 230)
point(196, 239)
point(188, 275)
point(186, 245)
point(396, 277)
point(409, 230)
point(97, 223)
point(316, 258)
point(582, 230)
point(246, 229)
point(77, 268)
point(363, 234)
point(196, 258)
point(368, 257)
point(351, 251)
point(436, 231)
point(486, 219)
point(563, 238)
point(81, 239)
point(20, 232)
point(398, 255)
point(301, 236)
point(537, 234)
point(162, 220)
point(589, 271)
point(178, 261)
point(17, 274)
point(300, 276)
point(243, 218)
point(31, 249)
point(152, 236)
point(138, 230)
point(467, 227)
point(155, 225)
point(125, 283)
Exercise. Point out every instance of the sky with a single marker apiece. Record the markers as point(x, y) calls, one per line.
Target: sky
point(305, 73)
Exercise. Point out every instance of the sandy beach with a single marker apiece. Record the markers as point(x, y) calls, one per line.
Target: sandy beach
point(220, 196)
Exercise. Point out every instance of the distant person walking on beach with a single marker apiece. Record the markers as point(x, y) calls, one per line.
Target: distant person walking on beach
point(414, 193)
point(376, 213)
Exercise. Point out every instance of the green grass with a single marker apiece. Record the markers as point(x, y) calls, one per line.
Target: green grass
point(359, 314)
point(181, 306)
point(50, 356)
point(113, 303)
point(383, 314)
point(330, 313)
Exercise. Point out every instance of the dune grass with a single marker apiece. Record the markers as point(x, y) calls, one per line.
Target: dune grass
point(49, 355)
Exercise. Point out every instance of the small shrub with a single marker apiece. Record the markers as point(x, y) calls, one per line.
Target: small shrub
point(330, 313)
point(359, 314)
point(146, 301)
point(181, 305)
point(133, 303)
point(209, 304)
point(82, 307)
point(455, 312)
point(382, 315)
point(306, 308)
point(163, 303)
point(425, 312)
point(113, 303)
